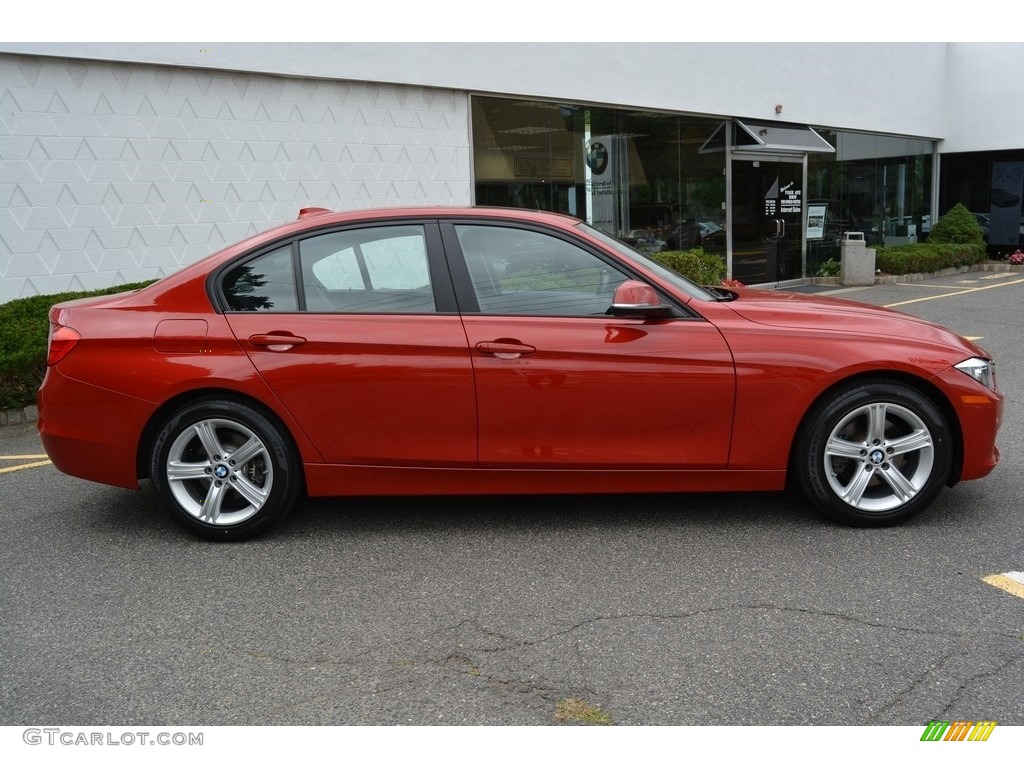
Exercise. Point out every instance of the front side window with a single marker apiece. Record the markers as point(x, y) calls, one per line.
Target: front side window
point(523, 272)
point(372, 270)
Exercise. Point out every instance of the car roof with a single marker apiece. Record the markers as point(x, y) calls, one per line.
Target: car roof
point(327, 216)
point(310, 219)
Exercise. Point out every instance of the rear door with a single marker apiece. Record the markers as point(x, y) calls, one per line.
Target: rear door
point(356, 332)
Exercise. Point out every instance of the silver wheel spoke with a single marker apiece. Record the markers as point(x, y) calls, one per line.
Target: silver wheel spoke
point(182, 471)
point(876, 423)
point(247, 452)
point(249, 491)
point(853, 493)
point(207, 433)
point(837, 447)
point(210, 510)
point(915, 441)
point(900, 485)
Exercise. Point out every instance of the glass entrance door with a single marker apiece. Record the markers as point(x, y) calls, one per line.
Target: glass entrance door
point(767, 219)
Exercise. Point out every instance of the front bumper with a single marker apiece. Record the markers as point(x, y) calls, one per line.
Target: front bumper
point(980, 413)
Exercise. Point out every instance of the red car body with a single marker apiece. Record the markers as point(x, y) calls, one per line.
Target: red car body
point(716, 390)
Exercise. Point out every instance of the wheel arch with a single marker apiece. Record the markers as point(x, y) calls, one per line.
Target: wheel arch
point(156, 421)
point(925, 387)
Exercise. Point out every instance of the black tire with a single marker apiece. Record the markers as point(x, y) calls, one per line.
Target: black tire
point(873, 453)
point(224, 471)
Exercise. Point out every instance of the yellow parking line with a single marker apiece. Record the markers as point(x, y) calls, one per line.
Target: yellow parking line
point(924, 285)
point(955, 293)
point(25, 466)
point(22, 456)
point(1012, 582)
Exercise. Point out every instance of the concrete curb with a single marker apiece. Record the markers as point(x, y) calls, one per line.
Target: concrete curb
point(917, 277)
point(19, 419)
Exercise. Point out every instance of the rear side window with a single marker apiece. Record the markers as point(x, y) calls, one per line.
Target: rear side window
point(371, 270)
point(377, 270)
point(263, 284)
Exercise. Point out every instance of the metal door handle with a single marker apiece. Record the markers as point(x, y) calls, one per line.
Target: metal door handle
point(505, 349)
point(276, 342)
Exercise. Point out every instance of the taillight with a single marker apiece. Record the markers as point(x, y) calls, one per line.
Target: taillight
point(62, 341)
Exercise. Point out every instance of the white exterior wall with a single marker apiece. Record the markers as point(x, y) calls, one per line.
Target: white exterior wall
point(123, 161)
point(885, 87)
point(971, 95)
point(985, 94)
point(113, 173)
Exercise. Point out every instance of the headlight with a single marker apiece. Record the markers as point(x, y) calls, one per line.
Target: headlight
point(983, 371)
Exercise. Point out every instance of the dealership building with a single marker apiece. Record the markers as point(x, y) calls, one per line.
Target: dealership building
point(122, 162)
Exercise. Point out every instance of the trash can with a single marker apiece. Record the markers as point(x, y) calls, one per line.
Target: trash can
point(856, 260)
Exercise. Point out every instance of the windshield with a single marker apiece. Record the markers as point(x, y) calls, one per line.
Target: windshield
point(630, 253)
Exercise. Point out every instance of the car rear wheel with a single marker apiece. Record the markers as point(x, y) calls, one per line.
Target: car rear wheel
point(874, 453)
point(224, 470)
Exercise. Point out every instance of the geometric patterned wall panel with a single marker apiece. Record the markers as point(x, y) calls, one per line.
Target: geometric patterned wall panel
point(112, 173)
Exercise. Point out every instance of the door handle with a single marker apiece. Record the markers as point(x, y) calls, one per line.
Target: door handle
point(505, 349)
point(276, 342)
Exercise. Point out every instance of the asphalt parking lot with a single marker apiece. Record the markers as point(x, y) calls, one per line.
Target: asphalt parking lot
point(653, 610)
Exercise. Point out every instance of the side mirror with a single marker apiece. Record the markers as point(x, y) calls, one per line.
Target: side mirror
point(636, 299)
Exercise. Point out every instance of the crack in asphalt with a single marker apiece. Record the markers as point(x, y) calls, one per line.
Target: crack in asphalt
point(459, 660)
point(969, 681)
point(693, 614)
point(888, 707)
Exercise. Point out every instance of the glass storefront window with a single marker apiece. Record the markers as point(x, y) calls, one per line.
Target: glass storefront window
point(635, 175)
point(878, 185)
point(991, 186)
point(642, 177)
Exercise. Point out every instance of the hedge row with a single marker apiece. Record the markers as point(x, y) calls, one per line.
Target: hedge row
point(927, 257)
point(703, 268)
point(24, 326)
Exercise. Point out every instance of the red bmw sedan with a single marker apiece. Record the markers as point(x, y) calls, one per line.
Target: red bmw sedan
point(490, 351)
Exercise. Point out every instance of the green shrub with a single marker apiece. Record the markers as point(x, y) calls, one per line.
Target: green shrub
point(828, 268)
point(703, 268)
point(927, 257)
point(24, 326)
point(958, 225)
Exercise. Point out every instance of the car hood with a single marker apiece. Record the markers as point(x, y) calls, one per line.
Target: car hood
point(796, 310)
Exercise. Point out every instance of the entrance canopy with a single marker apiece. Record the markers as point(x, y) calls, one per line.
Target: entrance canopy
point(768, 137)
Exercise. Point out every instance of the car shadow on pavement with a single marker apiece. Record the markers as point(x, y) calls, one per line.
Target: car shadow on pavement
point(555, 513)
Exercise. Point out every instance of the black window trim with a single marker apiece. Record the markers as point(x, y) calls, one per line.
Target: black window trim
point(437, 265)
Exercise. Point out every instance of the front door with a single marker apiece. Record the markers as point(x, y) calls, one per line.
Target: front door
point(561, 384)
point(767, 220)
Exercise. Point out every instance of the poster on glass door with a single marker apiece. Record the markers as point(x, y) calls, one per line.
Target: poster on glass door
point(787, 198)
point(602, 156)
point(1005, 226)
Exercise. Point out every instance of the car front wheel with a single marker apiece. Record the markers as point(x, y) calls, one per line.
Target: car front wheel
point(874, 453)
point(224, 470)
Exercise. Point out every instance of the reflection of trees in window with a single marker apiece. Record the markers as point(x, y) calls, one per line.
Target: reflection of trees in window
point(242, 295)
